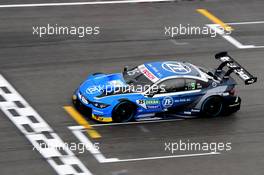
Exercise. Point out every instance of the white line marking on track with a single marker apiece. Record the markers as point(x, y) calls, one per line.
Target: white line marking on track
point(168, 157)
point(178, 43)
point(143, 128)
point(80, 3)
point(38, 132)
point(102, 159)
point(138, 122)
point(237, 43)
point(247, 22)
point(95, 152)
point(120, 172)
point(231, 39)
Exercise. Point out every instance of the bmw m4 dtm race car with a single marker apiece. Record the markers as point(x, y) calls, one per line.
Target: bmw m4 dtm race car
point(159, 89)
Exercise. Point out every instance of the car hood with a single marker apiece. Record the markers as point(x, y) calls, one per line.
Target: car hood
point(97, 85)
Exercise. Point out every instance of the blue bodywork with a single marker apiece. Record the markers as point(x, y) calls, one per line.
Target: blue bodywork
point(188, 103)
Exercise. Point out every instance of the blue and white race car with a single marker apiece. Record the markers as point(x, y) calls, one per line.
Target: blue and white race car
point(161, 89)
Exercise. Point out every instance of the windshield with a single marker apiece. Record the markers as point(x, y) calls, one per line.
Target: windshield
point(136, 78)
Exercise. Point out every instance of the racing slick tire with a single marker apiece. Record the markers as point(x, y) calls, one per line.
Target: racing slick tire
point(212, 106)
point(123, 112)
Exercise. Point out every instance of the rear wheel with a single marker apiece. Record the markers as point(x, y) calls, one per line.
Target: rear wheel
point(212, 106)
point(123, 112)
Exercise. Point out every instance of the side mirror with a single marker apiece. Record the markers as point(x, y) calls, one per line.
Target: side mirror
point(125, 68)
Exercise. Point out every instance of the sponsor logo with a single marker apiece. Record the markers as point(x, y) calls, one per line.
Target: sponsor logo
point(167, 102)
point(153, 106)
point(239, 71)
point(93, 90)
point(176, 67)
point(181, 100)
point(147, 73)
point(250, 81)
point(214, 84)
point(152, 102)
point(149, 104)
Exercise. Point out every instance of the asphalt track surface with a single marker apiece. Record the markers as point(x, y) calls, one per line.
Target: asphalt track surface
point(47, 70)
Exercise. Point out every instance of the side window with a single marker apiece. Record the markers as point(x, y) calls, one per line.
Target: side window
point(172, 85)
point(193, 84)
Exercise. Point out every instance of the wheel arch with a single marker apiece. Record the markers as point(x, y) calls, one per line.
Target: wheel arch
point(210, 97)
point(122, 101)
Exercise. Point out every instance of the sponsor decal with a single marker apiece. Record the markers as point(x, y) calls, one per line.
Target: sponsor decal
point(214, 84)
point(149, 103)
point(93, 89)
point(155, 69)
point(101, 118)
point(142, 103)
point(153, 107)
point(147, 73)
point(240, 71)
point(167, 102)
point(176, 67)
point(133, 72)
point(152, 102)
point(195, 110)
point(181, 100)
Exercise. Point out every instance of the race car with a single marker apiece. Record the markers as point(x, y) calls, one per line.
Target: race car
point(156, 90)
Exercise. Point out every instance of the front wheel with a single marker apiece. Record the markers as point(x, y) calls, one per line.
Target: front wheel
point(123, 112)
point(212, 106)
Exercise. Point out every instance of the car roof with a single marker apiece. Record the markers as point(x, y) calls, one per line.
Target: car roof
point(166, 69)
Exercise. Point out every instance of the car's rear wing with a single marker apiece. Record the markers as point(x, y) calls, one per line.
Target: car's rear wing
point(233, 66)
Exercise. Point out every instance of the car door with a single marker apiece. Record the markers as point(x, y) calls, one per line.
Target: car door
point(169, 93)
point(193, 90)
point(177, 93)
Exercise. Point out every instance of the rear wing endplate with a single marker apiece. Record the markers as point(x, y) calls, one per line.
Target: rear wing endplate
point(234, 66)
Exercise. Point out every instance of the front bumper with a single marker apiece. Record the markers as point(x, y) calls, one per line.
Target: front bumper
point(89, 111)
point(102, 118)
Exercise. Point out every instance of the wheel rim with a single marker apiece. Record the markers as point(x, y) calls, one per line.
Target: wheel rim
point(213, 106)
point(123, 112)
